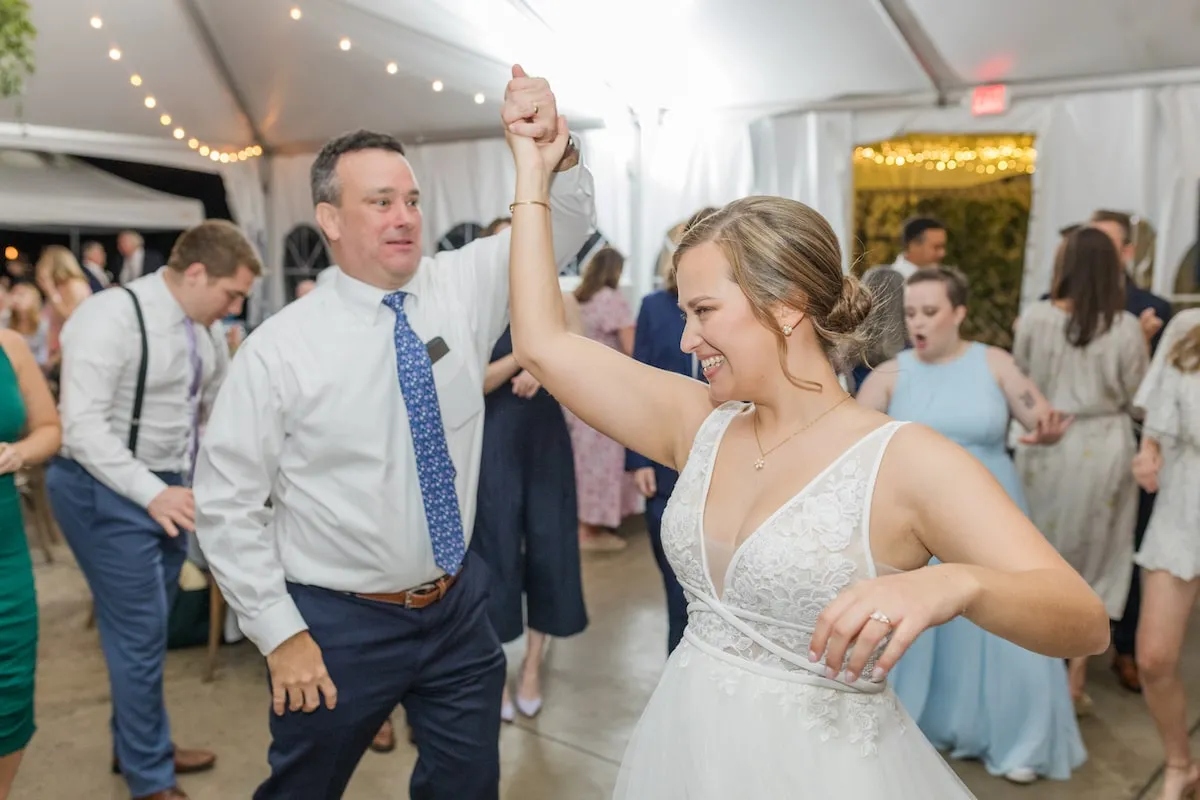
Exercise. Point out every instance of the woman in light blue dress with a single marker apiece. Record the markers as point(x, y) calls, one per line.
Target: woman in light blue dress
point(972, 693)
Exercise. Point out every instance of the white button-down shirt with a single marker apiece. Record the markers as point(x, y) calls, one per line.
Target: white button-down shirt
point(313, 418)
point(101, 350)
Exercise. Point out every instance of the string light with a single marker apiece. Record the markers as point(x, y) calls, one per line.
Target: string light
point(10, 252)
point(344, 43)
point(392, 68)
point(295, 13)
point(479, 98)
point(178, 133)
point(985, 156)
point(438, 86)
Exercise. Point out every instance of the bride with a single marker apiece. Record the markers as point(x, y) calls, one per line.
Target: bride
point(802, 522)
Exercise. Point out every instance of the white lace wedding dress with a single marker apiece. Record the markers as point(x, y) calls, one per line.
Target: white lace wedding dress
point(740, 711)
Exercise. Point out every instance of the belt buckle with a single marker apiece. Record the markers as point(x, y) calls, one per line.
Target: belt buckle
point(424, 590)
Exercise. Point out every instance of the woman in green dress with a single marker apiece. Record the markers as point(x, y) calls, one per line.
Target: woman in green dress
point(29, 434)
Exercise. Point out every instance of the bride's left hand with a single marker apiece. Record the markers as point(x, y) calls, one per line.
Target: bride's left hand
point(909, 603)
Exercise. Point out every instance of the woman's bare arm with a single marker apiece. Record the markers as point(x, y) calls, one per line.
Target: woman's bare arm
point(654, 412)
point(876, 390)
point(1023, 590)
point(44, 435)
point(1025, 402)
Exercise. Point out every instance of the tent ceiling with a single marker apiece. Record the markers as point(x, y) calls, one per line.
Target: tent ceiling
point(299, 88)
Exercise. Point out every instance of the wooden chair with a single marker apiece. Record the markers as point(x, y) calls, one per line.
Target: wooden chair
point(216, 627)
point(35, 502)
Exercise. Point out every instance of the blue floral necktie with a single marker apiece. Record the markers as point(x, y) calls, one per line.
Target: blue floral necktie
point(434, 467)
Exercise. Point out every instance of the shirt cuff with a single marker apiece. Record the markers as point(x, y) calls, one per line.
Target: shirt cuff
point(145, 488)
point(274, 626)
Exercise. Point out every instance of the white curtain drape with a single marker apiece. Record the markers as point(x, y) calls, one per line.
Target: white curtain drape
point(1132, 150)
point(248, 202)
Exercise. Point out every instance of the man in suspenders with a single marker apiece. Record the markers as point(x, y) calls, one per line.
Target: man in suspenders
point(140, 368)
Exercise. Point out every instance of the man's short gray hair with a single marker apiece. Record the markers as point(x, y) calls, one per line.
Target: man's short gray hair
point(323, 176)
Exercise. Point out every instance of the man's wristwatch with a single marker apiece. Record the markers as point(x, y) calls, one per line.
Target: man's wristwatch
point(570, 157)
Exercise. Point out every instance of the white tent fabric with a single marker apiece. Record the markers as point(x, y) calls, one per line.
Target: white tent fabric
point(1108, 86)
point(1128, 150)
point(39, 190)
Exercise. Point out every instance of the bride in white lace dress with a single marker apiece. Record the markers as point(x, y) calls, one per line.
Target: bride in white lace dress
point(790, 506)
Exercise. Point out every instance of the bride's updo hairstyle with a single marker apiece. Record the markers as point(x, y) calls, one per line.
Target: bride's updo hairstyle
point(784, 253)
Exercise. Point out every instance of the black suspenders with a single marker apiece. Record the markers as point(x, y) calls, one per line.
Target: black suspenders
point(140, 394)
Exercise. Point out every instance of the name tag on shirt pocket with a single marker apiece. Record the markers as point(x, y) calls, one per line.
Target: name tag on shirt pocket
point(460, 397)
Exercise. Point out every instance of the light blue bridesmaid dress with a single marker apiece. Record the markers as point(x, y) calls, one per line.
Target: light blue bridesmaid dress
point(972, 693)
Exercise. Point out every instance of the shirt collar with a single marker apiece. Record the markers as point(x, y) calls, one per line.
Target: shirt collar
point(156, 288)
point(366, 301)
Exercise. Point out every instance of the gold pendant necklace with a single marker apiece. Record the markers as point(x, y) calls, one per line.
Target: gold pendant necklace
point(761, 461)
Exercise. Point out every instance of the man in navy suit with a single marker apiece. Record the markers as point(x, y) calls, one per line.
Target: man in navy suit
point(1154, 312)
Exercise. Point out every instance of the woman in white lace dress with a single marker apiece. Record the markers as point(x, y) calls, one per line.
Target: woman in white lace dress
point(1169, 464)
point(801, 522)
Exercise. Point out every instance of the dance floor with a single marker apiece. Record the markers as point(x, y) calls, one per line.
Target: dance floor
point(595, 686)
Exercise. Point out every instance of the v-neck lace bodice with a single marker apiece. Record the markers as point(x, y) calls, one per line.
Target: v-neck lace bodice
point(784, 573)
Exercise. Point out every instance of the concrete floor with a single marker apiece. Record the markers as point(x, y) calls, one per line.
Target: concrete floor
point(595, 687)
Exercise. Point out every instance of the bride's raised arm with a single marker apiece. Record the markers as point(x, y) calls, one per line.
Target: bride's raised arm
point(651, 411)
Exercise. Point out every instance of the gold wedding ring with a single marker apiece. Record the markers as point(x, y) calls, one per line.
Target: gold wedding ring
point(879, 616)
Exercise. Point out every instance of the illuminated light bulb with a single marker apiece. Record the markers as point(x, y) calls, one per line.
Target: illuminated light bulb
point(165, 119)
point(97, 23)
point(951, 164)
point(178, 133)
point(193, 143)
point(224, 158)
point(114, 54)
point(151, 102)
point(392, 68)
point(438, 86)
point(941, 166)
point(1031, 169)
point(900, 161)
point(878, 158)
point(479, 98)
point(991, 169)
point(257, 150)
point(136, 80)
point(204, 150)
point(242, 156)
point(295, 13)
point(10, 252)
point(214, 155)
point(890, 160)
point(344, 43)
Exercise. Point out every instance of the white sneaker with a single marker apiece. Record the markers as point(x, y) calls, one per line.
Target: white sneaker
point(1022, 775)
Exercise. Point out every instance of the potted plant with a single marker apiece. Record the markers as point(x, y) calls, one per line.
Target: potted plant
point(16, 47)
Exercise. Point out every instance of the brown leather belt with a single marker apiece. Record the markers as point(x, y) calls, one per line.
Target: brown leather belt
point(418, 597)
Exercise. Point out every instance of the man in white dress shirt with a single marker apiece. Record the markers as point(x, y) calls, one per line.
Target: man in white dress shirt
point(119, 486)
point(357, 410)
point(924, 245)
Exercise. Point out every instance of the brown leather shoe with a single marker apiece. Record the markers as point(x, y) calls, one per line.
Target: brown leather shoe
point(1127, 673)
point(174, 793)
point(186, 762)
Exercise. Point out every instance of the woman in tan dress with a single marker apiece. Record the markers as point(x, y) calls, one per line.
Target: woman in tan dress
point(1087, 355)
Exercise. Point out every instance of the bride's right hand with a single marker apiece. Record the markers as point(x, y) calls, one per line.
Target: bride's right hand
point(536, 133)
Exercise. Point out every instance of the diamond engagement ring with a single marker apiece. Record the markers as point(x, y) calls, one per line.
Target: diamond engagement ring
point(879, 616)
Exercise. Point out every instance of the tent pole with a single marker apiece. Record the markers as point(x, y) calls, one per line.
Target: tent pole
point(906, 25)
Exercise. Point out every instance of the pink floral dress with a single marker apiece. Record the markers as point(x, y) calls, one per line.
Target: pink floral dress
point(606, 493)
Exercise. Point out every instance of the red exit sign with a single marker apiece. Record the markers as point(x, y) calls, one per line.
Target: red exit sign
point(991, 99)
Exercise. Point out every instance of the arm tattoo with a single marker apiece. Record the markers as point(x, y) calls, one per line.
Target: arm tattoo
point(1027, 399)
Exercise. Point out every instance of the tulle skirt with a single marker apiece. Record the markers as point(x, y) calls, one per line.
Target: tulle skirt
point(719, 727)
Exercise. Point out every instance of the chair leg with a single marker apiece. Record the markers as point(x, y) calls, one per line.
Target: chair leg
point(216, 627)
